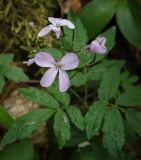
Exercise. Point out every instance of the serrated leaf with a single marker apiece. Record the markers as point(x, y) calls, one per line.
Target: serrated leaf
point(61, 127)
point(97, 71)
point(127, 80)
point(26, 124)
point(134, 120)
point(113, 130)
point(6, 59)
point(94, 118)
point(76, 117)
point(114, 63)
point(78, 79)
point(129, 11)
point(39, 96)
point(109, 84)
point(131, 97)
point(15, 150)
point(62, 97)
point(84, 59)
point(15, 73)
point(95, 17)
point(2, 83)
point(5, 119)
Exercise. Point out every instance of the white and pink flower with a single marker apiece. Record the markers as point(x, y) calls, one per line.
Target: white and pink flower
point(69, 61)
point(55, 26)
point(98, 45)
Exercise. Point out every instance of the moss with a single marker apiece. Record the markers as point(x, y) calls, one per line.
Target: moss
point(20, 22)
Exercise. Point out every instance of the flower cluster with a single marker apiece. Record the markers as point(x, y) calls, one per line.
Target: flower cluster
point(69, 61)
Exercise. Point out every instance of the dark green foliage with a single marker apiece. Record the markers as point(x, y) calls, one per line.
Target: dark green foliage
point(113, 129)
point(61, 128)
point(93, 117)
point(26, 124)
point(5, 118)
point(22, 150)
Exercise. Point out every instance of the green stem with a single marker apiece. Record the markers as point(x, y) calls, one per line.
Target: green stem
point(93, 61)
point(78, 97)
point(62, 45)
point(85, 90)
point(72, 39)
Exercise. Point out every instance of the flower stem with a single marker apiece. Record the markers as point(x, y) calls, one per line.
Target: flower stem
point(78, 97)
point(85, 90)
point(73, 33)
point(93, 61)
point(62, 45)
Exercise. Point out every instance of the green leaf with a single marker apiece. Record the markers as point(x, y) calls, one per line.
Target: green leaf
point(67, 40)
point(15, 74)
point(22, 150)
point(6, 59)
point(129, 12)
point(5, 118)
point(57, 54)
point(131, 137)
point(76, 117)
point(94, 151)
point(2, 83)
point(97, 71)
point(80, 34)
point(94, 118)
point(109, 84)
point(77, 137)
point(134, 120)
point(78, 79)
point(132, 97)
point(114, 63)
point(113, 130)
point(62, 97)
point(39, 96)
point(26, 124)
point(84, 59)
point(61, 127)
point(96, 15)
point(127, 80)
point(110, 34)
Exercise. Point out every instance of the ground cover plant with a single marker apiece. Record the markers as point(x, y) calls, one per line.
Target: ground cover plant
point(80, 96)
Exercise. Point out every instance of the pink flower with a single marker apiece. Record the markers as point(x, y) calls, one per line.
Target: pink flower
point(68, 62)
point(55, 26)
point(98, 46)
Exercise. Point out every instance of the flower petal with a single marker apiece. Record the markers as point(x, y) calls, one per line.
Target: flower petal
point(101, 40)
point(44, 31)
point(63, 81)
point(58, 33)
point(69, 61)
point(30, 61)
point(97, 48)
point(54, 21)
point(67, 23)
point(48, 77)
point(44, 59)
